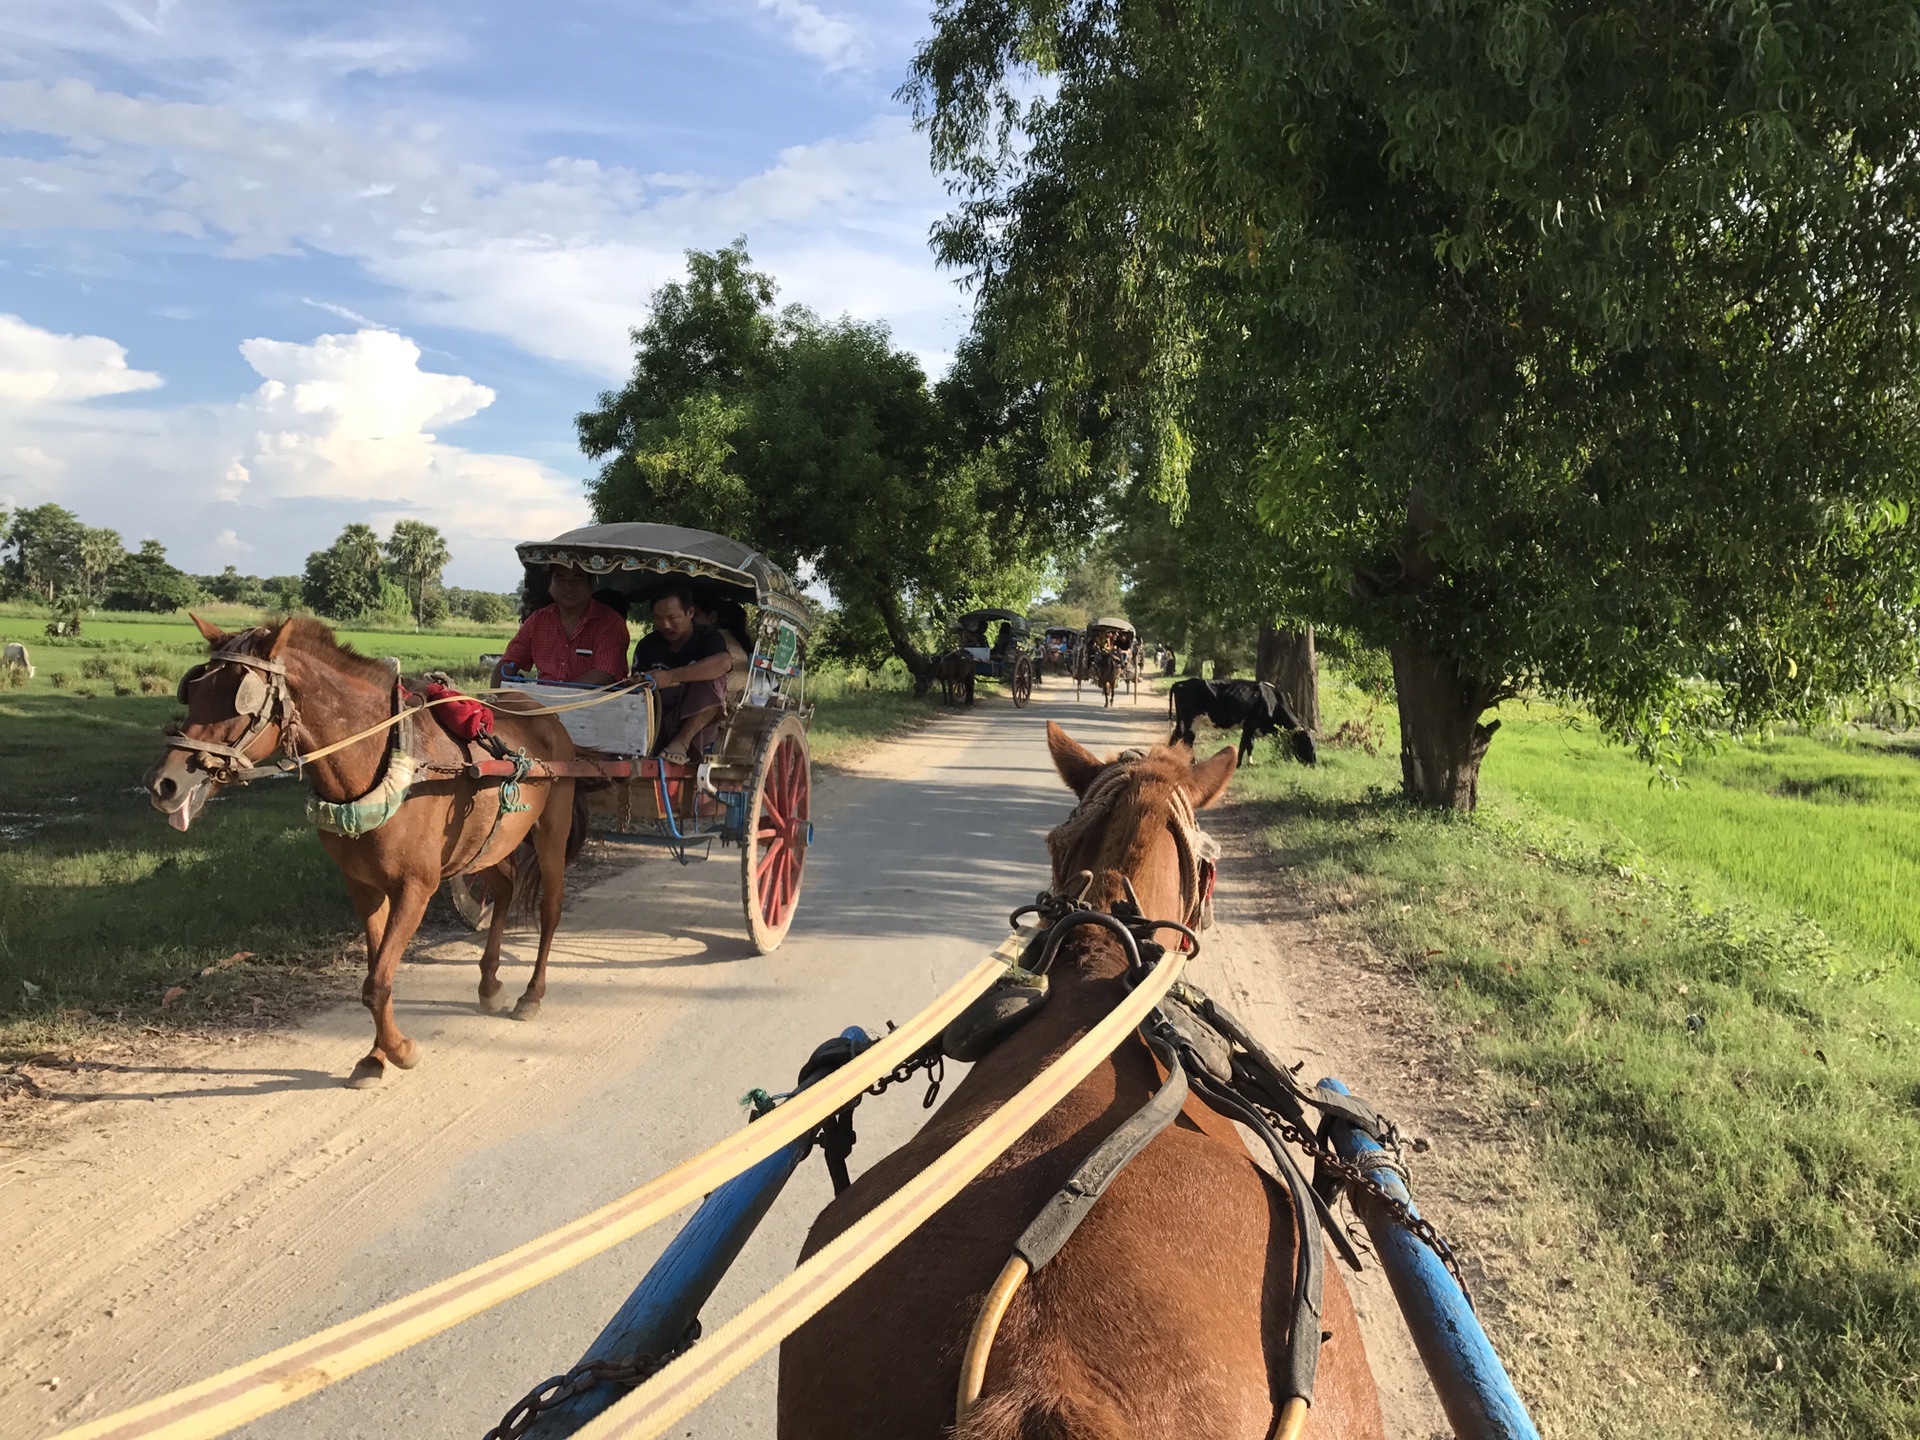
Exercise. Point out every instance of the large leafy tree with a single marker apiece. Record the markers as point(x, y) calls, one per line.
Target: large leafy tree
point(1550, 346)
point(147, 580)
point(42, 553)
point(822, 444)
point(343, 580)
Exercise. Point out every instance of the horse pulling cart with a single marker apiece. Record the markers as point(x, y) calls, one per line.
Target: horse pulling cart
point(1108, 657)
point(1059, 646)
point(752, 789)
point(1011, 656)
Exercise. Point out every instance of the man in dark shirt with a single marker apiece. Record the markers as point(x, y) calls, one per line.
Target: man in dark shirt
point(688, 664)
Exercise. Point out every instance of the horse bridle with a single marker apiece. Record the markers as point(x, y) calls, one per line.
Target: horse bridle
point(263, 696)
point(1197, 849)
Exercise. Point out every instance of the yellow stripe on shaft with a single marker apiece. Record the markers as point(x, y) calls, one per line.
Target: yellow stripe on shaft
point(259, 1387)
point(665, 1400)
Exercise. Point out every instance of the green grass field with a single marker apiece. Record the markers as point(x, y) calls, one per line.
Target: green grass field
point(1704, 1007)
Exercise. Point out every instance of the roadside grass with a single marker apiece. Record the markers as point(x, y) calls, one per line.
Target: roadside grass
point(103, 909)
point(1721, 1092)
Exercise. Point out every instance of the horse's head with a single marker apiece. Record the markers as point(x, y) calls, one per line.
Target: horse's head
point(1136, 821)
point(238, 710)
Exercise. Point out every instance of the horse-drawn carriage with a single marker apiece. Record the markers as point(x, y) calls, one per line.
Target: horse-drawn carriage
point(752, 789)
point(1058, 647)
point(1011, 655)
point(1108, 658)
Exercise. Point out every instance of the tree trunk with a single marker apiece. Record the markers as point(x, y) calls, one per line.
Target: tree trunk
point(1287, 662)
point(918, 665)
point(1441, 739)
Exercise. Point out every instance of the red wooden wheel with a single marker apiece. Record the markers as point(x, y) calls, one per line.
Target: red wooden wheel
point(773, 852)
point(1022, 682)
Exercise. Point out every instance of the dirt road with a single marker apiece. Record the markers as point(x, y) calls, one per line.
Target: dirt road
point(192, 1215)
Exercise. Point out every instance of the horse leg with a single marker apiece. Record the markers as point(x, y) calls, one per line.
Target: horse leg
point(550, 844)
point(405, 908)
point(499, 885)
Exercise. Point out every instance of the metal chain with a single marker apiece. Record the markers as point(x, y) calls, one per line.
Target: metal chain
point(582, 1378)
point(1361, 1177)
point(935, 1065)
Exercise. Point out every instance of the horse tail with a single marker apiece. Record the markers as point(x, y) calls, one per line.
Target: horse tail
point(527, 884)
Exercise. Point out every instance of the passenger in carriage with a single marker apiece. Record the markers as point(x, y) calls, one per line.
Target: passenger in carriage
point(1003, 642)
point(688, 664)
point(575, 639)
point(727, 617)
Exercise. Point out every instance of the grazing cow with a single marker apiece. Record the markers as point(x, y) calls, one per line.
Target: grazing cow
point(16, 658)
point(953, 671)
point(1252, 705)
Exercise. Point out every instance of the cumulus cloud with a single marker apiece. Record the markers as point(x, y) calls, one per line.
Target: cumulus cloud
point(345, 427)
point(38, 365)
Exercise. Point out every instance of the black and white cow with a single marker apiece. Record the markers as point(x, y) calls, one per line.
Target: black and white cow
point(1253, 705)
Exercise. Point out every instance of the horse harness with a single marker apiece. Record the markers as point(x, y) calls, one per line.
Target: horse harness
point(1205, 1051)
point(266, 699)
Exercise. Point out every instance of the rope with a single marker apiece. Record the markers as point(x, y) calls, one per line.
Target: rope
point(662, 1402)
point(259, 1387)
point(599, 698)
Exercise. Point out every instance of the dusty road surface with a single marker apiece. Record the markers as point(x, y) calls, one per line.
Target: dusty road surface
point(193, 1215)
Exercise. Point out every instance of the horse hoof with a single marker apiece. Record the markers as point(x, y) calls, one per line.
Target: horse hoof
point(407, 1056)
point(492, 1004)
point(526, 1009)
point(368, 1074)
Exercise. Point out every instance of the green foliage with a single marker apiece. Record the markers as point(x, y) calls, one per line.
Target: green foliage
point(343, 581)
point(145, 580)
point(42, 552)
point(823, 445)
point(418, 553)
point(486, 606)
point(1724, 1087)
point(1569, 346)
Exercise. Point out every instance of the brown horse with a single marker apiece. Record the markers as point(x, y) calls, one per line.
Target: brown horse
point(1167, 1311)
point(291, 687)
point(1107, 667)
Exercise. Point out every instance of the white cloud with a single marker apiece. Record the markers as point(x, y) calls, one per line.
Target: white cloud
point(345, 427)
point(37, 364)
point(831, 39)
point(558, 259)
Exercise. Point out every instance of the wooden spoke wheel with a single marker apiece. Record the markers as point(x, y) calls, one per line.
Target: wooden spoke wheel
point(773, 851)
point(1022, 685)
point(470, 900)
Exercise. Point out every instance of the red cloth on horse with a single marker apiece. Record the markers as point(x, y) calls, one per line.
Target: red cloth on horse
point(465, 720)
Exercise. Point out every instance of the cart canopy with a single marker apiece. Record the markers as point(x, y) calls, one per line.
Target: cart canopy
point(1112, 623)
point(638, 558)
point(978, 620)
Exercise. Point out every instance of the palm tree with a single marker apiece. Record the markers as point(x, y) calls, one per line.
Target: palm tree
point(418, 552)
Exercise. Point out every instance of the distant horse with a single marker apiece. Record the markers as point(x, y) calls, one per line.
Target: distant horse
point(954, 669)
point(395, 809)
point(1167, 1311)
point(1108, 666)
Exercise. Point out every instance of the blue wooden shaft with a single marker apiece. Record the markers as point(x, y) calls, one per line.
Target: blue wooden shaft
point(669, 1297)
point(656, 1315)
point(1472, 1384)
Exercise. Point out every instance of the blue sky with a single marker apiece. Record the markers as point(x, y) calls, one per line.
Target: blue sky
point(269, 268)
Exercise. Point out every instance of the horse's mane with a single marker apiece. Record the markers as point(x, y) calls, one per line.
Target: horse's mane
point(310, 637)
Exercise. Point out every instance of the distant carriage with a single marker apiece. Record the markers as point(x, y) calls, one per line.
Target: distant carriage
point(1108, 658)
point(753, 788)
point(1010, 656)
point(1059, 647)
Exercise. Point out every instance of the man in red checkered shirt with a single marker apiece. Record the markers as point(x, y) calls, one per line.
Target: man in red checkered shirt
point(576, 638)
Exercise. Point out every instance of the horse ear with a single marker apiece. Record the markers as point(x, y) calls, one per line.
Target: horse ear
point(1077, 764)
point(1207, 781)
point(209, 631)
